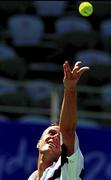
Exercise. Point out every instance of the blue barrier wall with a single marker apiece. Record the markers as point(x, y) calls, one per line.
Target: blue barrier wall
point(96, 147)
point(18, 153)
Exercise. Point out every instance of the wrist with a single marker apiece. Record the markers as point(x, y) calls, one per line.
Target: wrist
point(70, 89)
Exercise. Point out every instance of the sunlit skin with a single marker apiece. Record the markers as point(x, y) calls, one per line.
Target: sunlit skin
point(49, 148)
point(49, 143)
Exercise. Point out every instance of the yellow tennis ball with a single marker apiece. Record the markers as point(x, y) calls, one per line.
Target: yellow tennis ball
point(85, 9)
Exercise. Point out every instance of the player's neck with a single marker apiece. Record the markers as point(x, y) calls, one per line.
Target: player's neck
point(43, 163)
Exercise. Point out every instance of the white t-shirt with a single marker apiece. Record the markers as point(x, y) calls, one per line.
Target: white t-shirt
point(71, 168)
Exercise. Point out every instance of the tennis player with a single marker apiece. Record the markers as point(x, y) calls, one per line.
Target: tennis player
point(60, 157)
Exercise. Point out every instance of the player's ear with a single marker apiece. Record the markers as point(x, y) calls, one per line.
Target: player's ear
point(38, 144)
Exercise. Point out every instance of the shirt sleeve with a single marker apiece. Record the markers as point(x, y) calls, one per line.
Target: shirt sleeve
point(71, 166)
point(33, 175)
point(76, 144)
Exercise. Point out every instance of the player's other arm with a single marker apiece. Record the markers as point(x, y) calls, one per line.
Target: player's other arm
point(68, 114)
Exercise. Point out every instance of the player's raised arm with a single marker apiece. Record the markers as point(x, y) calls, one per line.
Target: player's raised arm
point(68, 114)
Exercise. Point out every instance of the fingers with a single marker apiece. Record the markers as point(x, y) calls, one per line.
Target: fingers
point(67, 69)
point(76, 67)
point(77, 64)
point(82, 70)
point(77, 70)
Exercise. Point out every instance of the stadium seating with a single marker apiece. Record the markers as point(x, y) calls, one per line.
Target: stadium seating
point(50, 8)
point(77, 31)
point(25, 29)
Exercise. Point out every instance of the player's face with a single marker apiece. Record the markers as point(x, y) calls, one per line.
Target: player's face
point(50, 141)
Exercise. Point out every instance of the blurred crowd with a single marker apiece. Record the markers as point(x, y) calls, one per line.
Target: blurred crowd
point(36, 37)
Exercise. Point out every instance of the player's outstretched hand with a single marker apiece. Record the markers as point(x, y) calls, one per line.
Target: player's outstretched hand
point(71, 77)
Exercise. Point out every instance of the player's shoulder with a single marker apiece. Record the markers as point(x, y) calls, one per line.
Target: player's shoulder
point(32, 176)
